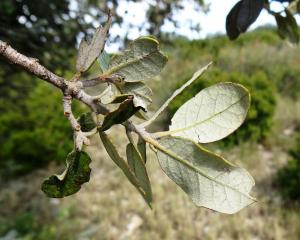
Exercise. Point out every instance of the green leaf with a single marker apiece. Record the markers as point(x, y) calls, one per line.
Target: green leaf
point(104, 59)
point(121, 163)
point(87, 122)
point(125, 111)
point(141, 92)
point(287, 27)
point(141, 146)
point(141, 61)
point(137, 165)
point(208, 179)
point(212, 114)
point(70, 181)
point(90, 49)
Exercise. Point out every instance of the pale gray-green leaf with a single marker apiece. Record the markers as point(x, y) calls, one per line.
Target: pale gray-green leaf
point(142, 60)
point(103, 60)
point(137, 165)
point(121, 163)
point(90, 49)
point(141, 92)
point(212, 114)
point(208, 179)
point(141, 145)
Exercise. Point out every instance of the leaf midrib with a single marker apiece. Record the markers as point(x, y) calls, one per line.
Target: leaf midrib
point(130, 62)
point(201, 122)
point(197, 170)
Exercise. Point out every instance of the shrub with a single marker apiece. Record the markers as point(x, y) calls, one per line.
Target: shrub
point(288, 178)
point(33, 133)
point(259, 120)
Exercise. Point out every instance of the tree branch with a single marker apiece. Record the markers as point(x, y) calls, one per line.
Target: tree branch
point(31, 65)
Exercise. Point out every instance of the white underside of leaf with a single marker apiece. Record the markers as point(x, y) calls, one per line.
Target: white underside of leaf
point(208, 179)
point(212, 114)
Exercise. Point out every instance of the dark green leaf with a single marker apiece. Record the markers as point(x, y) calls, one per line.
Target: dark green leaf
point(87, 122)
point(68, 183)
point(123, 113)
point(137, 165)
point(241, 16)
point(287, 27)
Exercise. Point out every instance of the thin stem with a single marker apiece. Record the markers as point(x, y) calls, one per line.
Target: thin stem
point(175, 94)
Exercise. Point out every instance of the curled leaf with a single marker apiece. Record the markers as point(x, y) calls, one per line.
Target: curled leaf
point(125, 111)
point(141, 92)
point(69, 182)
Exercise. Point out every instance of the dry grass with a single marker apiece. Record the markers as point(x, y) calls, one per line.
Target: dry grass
point(108, 207)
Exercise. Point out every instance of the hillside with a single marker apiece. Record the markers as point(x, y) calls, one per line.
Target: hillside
point(109, 208)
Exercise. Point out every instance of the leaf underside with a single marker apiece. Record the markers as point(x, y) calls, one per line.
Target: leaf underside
point(141, 61)
point(122, 164)
point(212, 114)
point(209, 180)
point(137, 165)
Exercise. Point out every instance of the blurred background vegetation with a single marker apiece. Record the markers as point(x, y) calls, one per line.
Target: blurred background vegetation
point(35, 137)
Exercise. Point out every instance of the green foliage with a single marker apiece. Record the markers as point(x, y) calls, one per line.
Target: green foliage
point(259, 120)
point(216, 112)
point(69, 182)
point(33, 133)
point(288, 178)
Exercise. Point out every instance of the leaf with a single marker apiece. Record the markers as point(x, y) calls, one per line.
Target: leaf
point(68, 183)
point(125, 111)
point(121, 163)
point(195, 76)
point(141, 146)
point(287, 27)
point(141, 61)
point(208, 179)
point(90, 49)
point(214, 113)
point(104, 59)
point(241, 16)
point(87, 122)
point(141, 92)
point(137, 165)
